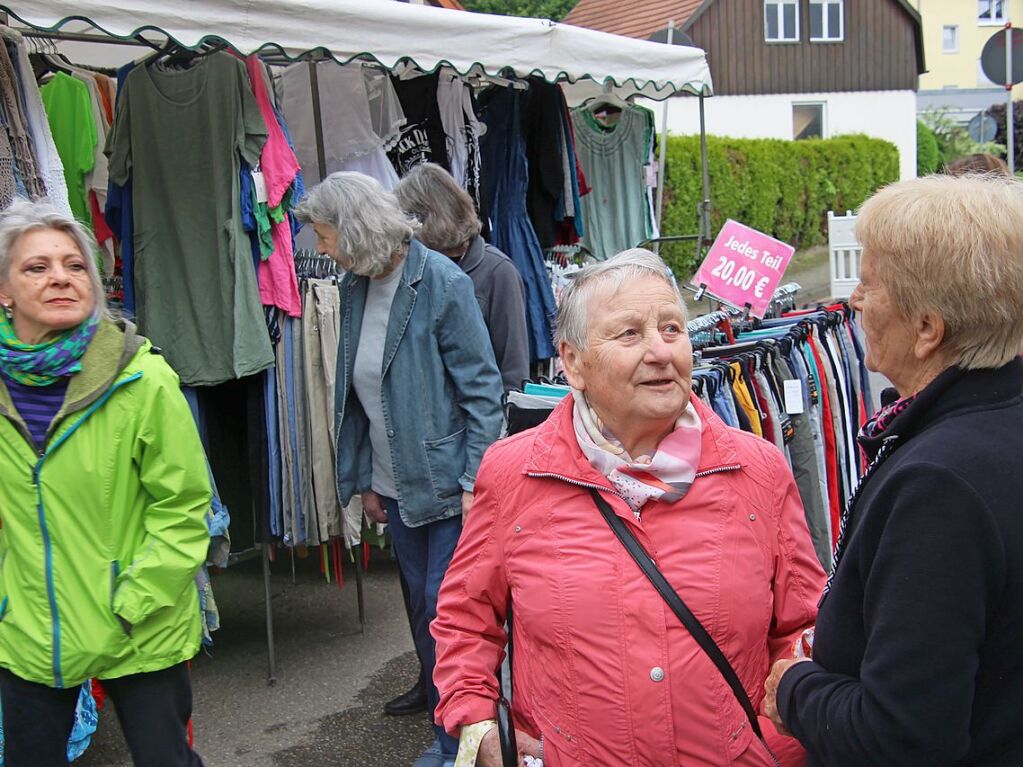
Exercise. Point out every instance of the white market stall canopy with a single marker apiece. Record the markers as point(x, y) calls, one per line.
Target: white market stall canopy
point(391, 32)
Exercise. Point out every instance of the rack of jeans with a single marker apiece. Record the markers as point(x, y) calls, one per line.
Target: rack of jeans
point(798, 381)
point(303, 512)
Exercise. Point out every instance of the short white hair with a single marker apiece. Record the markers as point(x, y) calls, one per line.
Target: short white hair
point(616, 272)
point(370, 224)
point(24, 216)
point(953, 244)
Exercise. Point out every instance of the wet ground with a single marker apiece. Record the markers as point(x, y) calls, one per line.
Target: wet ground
point(331, 684)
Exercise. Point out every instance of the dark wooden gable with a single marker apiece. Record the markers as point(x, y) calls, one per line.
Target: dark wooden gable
point(880, 50)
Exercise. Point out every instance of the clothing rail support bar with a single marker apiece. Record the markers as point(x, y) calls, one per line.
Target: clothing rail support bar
point(321, 154)
point(271, 674)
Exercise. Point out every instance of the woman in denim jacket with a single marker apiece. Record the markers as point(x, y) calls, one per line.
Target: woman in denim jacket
point(418, 391)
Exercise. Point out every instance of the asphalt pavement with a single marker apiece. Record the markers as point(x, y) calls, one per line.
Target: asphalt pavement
point(331, 683)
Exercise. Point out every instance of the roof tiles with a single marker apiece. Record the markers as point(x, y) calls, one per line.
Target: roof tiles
point(631, 18)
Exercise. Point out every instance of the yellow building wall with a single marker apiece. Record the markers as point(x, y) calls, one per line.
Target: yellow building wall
point(960, 69)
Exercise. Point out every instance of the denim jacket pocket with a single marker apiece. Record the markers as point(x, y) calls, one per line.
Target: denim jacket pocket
point(445, 459)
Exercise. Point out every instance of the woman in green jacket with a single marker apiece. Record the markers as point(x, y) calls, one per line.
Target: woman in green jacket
point(103, 495)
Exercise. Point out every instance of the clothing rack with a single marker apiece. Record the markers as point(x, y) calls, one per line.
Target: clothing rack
point(708, 321)
point(309, 264)
point(832, 395)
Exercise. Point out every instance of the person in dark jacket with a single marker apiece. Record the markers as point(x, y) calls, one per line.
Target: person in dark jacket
point(916, 659)
point(450, 225)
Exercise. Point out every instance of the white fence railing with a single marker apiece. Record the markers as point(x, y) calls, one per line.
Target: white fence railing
point(844, 254)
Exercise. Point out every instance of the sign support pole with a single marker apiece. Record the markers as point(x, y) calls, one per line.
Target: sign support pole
point(1009, 121)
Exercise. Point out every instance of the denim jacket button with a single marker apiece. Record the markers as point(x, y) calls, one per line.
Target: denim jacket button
point(390, 432)
point(657, 674)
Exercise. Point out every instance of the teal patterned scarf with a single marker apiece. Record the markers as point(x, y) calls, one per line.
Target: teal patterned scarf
point(43, 364)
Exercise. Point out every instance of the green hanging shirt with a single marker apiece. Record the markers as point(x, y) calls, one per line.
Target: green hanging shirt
point(616, 211)
point(69, 112)
point(178, 136)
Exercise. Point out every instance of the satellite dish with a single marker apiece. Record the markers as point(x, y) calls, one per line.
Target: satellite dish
point(678, 37)
point(992, 58)
point(982, 127)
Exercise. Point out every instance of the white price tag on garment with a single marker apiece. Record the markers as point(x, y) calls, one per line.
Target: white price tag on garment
point(259, 181)
point(793, 396)
point(653, 171)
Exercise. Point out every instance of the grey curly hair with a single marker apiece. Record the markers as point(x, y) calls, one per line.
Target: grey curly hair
point(370, 224)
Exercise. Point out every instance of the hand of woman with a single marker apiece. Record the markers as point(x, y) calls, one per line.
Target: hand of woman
point(771, 687)
point(466, 505)
point(374, 507)
point(490, 748)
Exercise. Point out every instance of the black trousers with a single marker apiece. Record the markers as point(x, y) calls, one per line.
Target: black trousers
point(153, 708)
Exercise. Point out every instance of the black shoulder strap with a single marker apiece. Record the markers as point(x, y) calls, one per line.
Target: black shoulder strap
point(684, 614)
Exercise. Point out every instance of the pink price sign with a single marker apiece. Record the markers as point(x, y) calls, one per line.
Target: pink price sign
point(744, 266)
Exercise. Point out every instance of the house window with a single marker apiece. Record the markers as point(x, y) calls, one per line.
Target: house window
point(950, 39)
point(781, 21)
point(807, 121)
point(826, 23)
point(991, 12)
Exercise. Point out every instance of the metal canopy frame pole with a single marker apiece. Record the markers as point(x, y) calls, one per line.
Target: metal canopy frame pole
point(661, 162)
point(704, 208)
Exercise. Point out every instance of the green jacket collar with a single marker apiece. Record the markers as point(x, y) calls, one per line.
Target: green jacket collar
point(113, 346)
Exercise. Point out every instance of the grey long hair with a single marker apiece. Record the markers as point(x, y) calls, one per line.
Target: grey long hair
point(370, 225)
point(23, 216)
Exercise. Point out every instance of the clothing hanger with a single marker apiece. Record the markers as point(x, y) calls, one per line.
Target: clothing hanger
point(606, 104)
point(176, 56)
point(480, 80)
point(46, 59)
point(730, 350)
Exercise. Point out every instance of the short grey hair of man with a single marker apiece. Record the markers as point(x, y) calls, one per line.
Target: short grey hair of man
point(371, 226)
point(953, 245)
point(24, 216)
point(445, 210)
point(616, 273)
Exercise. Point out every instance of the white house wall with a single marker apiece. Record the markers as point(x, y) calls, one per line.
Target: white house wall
point(889, 115)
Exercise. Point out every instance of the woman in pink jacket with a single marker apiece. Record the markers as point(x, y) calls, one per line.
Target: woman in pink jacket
point(604, 672)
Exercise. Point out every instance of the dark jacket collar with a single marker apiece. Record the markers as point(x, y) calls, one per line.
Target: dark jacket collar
point(473, 256)
point(953, 391)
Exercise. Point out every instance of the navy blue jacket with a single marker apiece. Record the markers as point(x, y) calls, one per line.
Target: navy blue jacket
point(918, 658)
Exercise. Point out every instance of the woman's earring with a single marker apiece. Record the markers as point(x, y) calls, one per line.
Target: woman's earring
point(8, 312)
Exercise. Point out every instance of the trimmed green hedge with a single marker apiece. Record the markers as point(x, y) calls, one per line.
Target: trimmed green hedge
point(928, 157)
point(782, 188)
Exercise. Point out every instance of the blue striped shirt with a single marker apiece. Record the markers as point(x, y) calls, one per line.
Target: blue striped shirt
point(37, 405)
